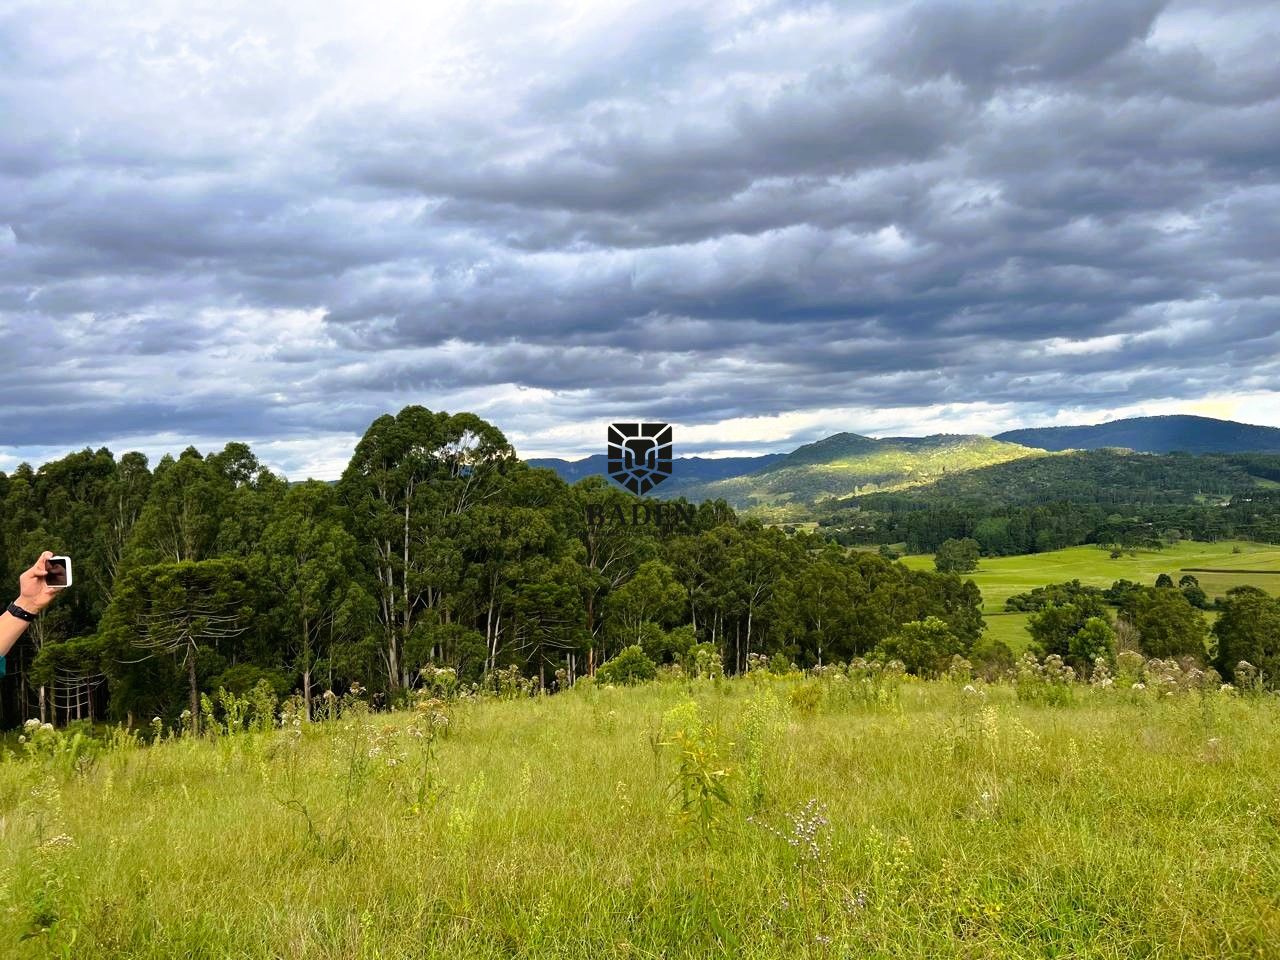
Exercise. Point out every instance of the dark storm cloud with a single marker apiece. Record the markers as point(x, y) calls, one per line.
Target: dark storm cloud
point(253, 227)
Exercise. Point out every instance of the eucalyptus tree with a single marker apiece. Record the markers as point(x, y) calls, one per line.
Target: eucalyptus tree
point(696, 559)
point(410, 487)
point(508, 545)
point(610, 552)
point(651, 596)
point(306, 570)
point(758, 558)
point(183, 512)
point(126, 495)
point(812, 603)
point(252, 494)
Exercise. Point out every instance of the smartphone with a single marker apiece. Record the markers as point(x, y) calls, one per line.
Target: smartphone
point(59, 572)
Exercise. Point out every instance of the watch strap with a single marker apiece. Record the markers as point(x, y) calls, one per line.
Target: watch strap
point(21, 614)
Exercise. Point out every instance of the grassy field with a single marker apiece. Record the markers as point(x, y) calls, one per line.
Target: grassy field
point(1001, 577)
point(925, 821)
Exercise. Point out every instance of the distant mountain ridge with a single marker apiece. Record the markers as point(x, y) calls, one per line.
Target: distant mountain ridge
point(1154, 435)
point(685, 470)
point(844, 465)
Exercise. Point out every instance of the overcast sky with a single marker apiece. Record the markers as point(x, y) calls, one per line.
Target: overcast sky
point(761, 221)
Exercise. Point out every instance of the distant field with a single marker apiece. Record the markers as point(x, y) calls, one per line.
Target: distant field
point(1001, 577)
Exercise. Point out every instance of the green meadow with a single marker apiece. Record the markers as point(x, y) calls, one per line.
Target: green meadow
point(839, 816)
point(1001, 577)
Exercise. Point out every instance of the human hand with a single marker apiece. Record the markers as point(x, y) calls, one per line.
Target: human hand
point(34, 594)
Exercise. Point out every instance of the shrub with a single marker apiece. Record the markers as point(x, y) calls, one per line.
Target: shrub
point(1053, 627)
point(1248, 629)
point(991, 658)
point(1092, 642)
point(1049, 682)
point(1168, 626)
point(779, 665)
point(628, 667)
point(924, 646)
point(703, 660)
point(807, 697)
point(1091, 600)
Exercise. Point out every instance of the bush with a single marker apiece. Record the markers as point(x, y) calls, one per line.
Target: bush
point(991, 658)
point(806, 698)
point(1053, 627)
point(1095, 640)
point(628, 667)
point(779, 665)
point(1248, 630)
point(1090, 600)
point(243, 677)
point(1168, 626)
point(925, 647)
point(703, 660)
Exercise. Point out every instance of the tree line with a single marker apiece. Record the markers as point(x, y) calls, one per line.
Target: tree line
point(437, 548)
point(1165, 621)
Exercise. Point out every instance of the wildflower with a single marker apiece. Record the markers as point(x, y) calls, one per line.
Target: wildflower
point(46, 726)
point(805, 833)
point(1139, 686)
point(31, 724)
point(854, 902)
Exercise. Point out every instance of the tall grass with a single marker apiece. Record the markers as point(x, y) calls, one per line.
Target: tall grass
point(918, 819)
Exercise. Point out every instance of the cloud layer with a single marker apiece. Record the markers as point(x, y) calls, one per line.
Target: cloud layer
point(760, 220)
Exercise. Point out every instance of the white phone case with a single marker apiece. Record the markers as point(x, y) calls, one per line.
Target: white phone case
point(67, 561)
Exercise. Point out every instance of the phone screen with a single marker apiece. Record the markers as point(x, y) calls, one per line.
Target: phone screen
point(57, 572)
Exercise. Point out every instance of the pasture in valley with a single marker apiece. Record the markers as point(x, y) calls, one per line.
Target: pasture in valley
point(1001, 577)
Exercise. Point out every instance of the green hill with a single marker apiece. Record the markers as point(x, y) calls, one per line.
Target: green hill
point(1155, 435)
point(1092, 476)
point(847, 464)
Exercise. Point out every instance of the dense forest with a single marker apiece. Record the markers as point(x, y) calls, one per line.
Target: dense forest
point(1046, 503)
point(437, 548)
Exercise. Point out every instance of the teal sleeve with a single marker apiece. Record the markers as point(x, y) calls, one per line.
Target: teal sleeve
point(3, 671)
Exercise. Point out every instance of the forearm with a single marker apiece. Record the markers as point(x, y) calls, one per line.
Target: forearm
point(11, 628)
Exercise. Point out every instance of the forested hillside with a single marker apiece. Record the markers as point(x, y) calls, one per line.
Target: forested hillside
point(686, 471)
point(438, 547)
point(1046, 503)
point(846, 463)
point(1155, 435)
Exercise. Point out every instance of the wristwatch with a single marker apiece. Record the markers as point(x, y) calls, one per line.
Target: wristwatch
point(21, 614)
